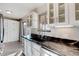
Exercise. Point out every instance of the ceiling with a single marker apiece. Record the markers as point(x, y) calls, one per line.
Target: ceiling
point(18, 9)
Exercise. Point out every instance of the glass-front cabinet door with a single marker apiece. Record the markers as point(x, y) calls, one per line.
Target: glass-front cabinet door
point(58, 13)
point(42, 20)
point(77, 12)
point(29, 21)
point(62, 13)
point(51, 19)
point(74, 13)
point(51, 13)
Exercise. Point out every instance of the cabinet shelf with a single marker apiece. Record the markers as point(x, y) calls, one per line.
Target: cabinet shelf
point(61, 15)
point(61, 6)
point(51, 17)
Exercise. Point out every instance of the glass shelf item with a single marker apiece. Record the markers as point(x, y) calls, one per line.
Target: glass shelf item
point(77, 11)
point(61, 12)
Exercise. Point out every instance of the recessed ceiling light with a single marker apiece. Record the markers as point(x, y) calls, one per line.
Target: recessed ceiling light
point(8, 12)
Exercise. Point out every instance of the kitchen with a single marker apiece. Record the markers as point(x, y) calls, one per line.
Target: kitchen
point(39, 29)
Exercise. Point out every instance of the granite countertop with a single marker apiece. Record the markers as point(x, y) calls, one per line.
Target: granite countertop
point(62, 49)
point(59, 48)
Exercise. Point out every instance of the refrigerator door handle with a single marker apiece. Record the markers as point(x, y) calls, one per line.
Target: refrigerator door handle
point(1, 28)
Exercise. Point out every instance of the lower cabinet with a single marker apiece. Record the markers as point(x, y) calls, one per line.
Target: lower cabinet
point(24, 44)
point(36, 49)
point(36, 46)
point(33, 49)
point(29, 50)
point(35, 52)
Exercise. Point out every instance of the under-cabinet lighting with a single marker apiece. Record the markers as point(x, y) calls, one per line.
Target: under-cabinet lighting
point(64, 26)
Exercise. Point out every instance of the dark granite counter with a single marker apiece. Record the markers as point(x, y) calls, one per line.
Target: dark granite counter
point(58, 47)
point(61, 49)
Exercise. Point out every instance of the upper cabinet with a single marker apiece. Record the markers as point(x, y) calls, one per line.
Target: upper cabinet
point(61, 12)
point(35, 20)
point(74, 13)
point(54, 14)
point(43, 18)
point(58, 13)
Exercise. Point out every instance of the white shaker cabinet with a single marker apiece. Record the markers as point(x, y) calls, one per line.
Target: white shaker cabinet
point(34, 20)
point(27, 47)
point(29, 50)
point(74, 13)
point(36, 49)
point(24, 47)
point(57, 13)
point(35, 52)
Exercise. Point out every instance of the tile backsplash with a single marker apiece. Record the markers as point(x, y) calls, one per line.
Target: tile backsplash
point(65, 32)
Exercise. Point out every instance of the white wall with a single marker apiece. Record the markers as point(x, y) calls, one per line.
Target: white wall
point(11, 30)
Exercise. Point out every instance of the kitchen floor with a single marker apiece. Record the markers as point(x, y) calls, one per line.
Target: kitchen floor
point(11, 47)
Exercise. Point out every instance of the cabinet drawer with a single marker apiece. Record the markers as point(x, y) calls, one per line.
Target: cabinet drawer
point(36, 46)
point(35, 52)
point(45, 52)
point(28, 42)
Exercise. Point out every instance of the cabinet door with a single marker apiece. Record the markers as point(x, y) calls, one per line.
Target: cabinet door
point(28, 42)
point(51, 14)
point(74, 13)
point(34, 20)
point(25, 47)
point(36, 49)
point(35, 52)
point(62, 13)
point(29, 50)
point(77, 12)
point(36, 46)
